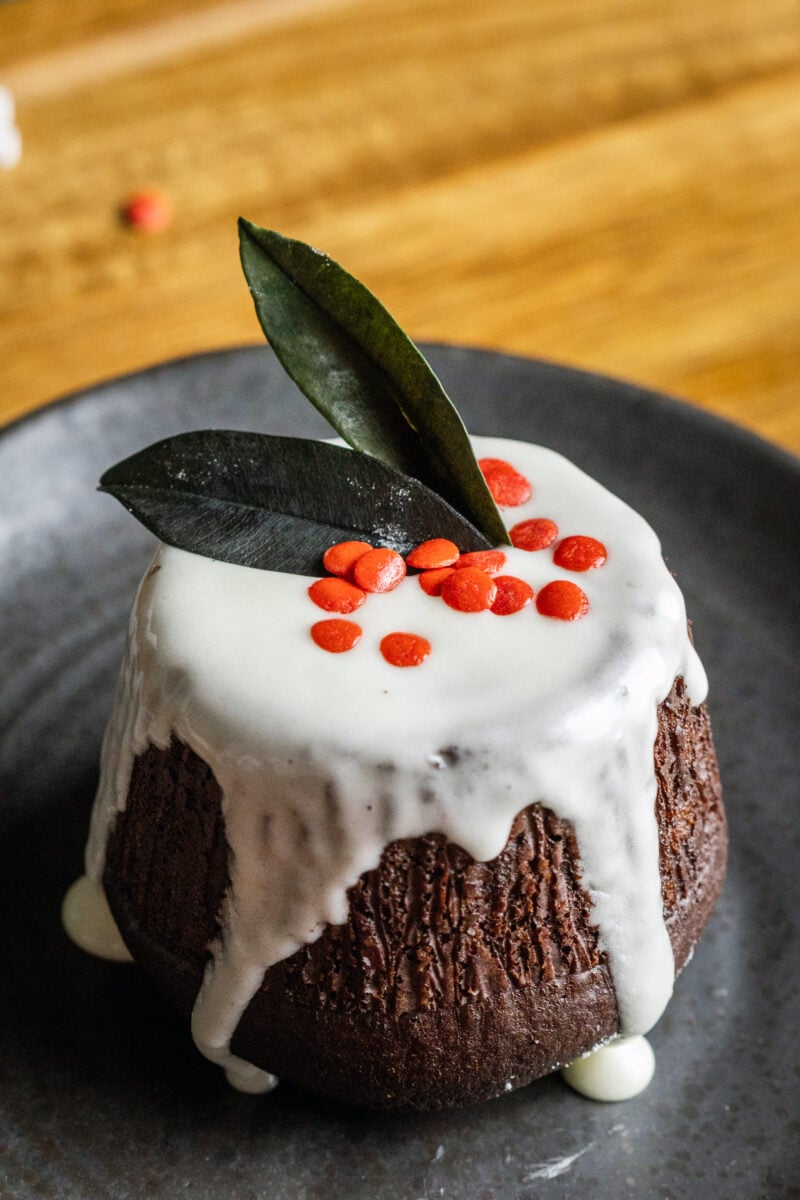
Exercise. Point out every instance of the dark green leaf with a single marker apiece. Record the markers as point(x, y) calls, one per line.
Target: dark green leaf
point(353, 361)
point(277, 503)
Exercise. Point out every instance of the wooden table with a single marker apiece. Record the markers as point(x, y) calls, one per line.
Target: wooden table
point(609, 183)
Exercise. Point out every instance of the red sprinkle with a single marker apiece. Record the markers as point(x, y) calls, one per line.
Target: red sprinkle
point(563, 600)
point(149, 211)
point(431, 581)
point(469, 590)
point(336, 635)
point(580, 554)
point(507, 486)
point(438, 552)
point(512, 595)
point(490, 561)
point(535, 534)
point(336, 595)
point(405, 649)
point(339, 559)
point(379, 570)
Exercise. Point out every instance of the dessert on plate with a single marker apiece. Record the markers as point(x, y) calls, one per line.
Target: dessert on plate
point(409, 794)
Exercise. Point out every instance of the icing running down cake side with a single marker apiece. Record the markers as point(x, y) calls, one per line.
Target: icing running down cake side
point(323, 761)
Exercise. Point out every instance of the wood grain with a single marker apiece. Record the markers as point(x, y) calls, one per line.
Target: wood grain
point(610, 184)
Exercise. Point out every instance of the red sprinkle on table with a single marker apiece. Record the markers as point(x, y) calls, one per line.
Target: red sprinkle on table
point(438, 552)
point(379, 570)
point(580, 554)
point(469, 590)
point(513, 594)
point(431, 581)
point(340, 559)
point(535, 534)
point(149, 211)
point(563, 600)
point(405, 649)
point(490, 561)
point(507, 486)
point(335, 635)
point(336, 595)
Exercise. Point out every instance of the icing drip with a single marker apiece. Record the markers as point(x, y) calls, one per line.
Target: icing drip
point(618, 1071)
point(324, 759)
point(88, 921)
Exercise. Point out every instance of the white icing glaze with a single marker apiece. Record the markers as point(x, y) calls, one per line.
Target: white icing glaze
point(618, 1071)
point(247, 1078)
point(323, 759)
point(88, 921)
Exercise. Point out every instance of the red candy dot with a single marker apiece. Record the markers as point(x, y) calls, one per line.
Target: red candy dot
point(149, 211)
point(438, 552)
point(563, 600)
point(336, 595)
point(507, 486)
point(339, 559)
point(379, 570)
point(336, 636)
point(580, 554)
point(431, 581)
point(405, 649)
point(512, 595)
point(469, 590)
point(535, 534)
point(490, 561)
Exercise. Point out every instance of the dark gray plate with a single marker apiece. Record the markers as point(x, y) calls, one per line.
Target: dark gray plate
point(102, 1092)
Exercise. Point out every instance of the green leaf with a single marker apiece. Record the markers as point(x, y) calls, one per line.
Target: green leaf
point(357, 366)
point(277, 503)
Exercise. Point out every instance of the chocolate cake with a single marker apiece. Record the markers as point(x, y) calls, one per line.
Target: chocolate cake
point(451, 837)
point(451, 980)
